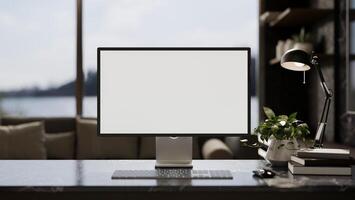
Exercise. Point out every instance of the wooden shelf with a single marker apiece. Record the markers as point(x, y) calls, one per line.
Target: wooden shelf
point(274, 61)
point(269, 16)
point(295, 17)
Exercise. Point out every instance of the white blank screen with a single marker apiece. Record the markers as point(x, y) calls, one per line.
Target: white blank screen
point(173, 92)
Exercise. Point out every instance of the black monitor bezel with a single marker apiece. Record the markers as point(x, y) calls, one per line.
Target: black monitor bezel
point(100, 49)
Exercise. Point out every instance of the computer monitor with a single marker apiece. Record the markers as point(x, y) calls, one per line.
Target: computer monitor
point(180, 92)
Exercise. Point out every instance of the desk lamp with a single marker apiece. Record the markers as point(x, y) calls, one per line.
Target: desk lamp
point(299, 60)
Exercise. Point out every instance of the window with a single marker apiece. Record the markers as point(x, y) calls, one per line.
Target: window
point(37, 57)
point(150, 23)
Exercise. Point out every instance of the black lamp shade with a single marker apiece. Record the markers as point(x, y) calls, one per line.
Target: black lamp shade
point(296, 60)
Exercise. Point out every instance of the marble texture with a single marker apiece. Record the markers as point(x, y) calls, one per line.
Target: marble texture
point(87, 175)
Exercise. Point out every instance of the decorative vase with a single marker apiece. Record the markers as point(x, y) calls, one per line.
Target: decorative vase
point(279, 151)
point(305, 46)
point(288, 45)
point(280, 49)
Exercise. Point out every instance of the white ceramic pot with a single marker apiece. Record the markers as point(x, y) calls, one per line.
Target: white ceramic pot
point(306, 46)
point(279, 151)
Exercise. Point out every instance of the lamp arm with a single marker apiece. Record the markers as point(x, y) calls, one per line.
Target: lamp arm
point(318, 142)
point(315, 62)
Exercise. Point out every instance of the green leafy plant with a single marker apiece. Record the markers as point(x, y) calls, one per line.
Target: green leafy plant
point(302, 37)
point(281, 127)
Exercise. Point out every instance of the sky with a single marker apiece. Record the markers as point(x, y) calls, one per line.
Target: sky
point(37, 37)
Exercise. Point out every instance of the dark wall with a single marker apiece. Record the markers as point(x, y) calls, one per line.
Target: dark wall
point(345, 119)
point(324, 44)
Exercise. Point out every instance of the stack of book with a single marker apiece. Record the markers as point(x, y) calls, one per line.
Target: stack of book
point(321, 161)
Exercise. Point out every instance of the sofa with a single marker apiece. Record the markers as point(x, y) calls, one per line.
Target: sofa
point(77, 138)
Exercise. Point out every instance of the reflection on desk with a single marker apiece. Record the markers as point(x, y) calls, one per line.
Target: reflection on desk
point(69, 178)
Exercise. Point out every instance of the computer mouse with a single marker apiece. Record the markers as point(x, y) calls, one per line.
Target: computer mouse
point(264, 173)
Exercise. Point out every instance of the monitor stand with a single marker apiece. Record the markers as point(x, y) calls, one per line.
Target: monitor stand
point(173, 152)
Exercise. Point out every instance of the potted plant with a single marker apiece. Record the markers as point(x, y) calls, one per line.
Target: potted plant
point(282, 133)
point(303, 41)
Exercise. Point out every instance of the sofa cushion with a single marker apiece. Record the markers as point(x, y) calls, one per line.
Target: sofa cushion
point(92, 146)
point(147, 148)
point(60, 145)
point(24, 141)
point(216, 149)
point(51, 124)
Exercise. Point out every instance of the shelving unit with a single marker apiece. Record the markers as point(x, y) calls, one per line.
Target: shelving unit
point(293, 17)
point(279, 88)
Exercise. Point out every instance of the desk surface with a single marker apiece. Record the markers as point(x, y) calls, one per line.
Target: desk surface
point(78, 175)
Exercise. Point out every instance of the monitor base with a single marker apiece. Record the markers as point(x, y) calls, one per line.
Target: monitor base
point(173, 165)
point(173, 152)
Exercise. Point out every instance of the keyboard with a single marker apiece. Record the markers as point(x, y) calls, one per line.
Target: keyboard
point(172, 174)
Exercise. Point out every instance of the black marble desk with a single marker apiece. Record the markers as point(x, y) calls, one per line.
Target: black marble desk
point(91, 179)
